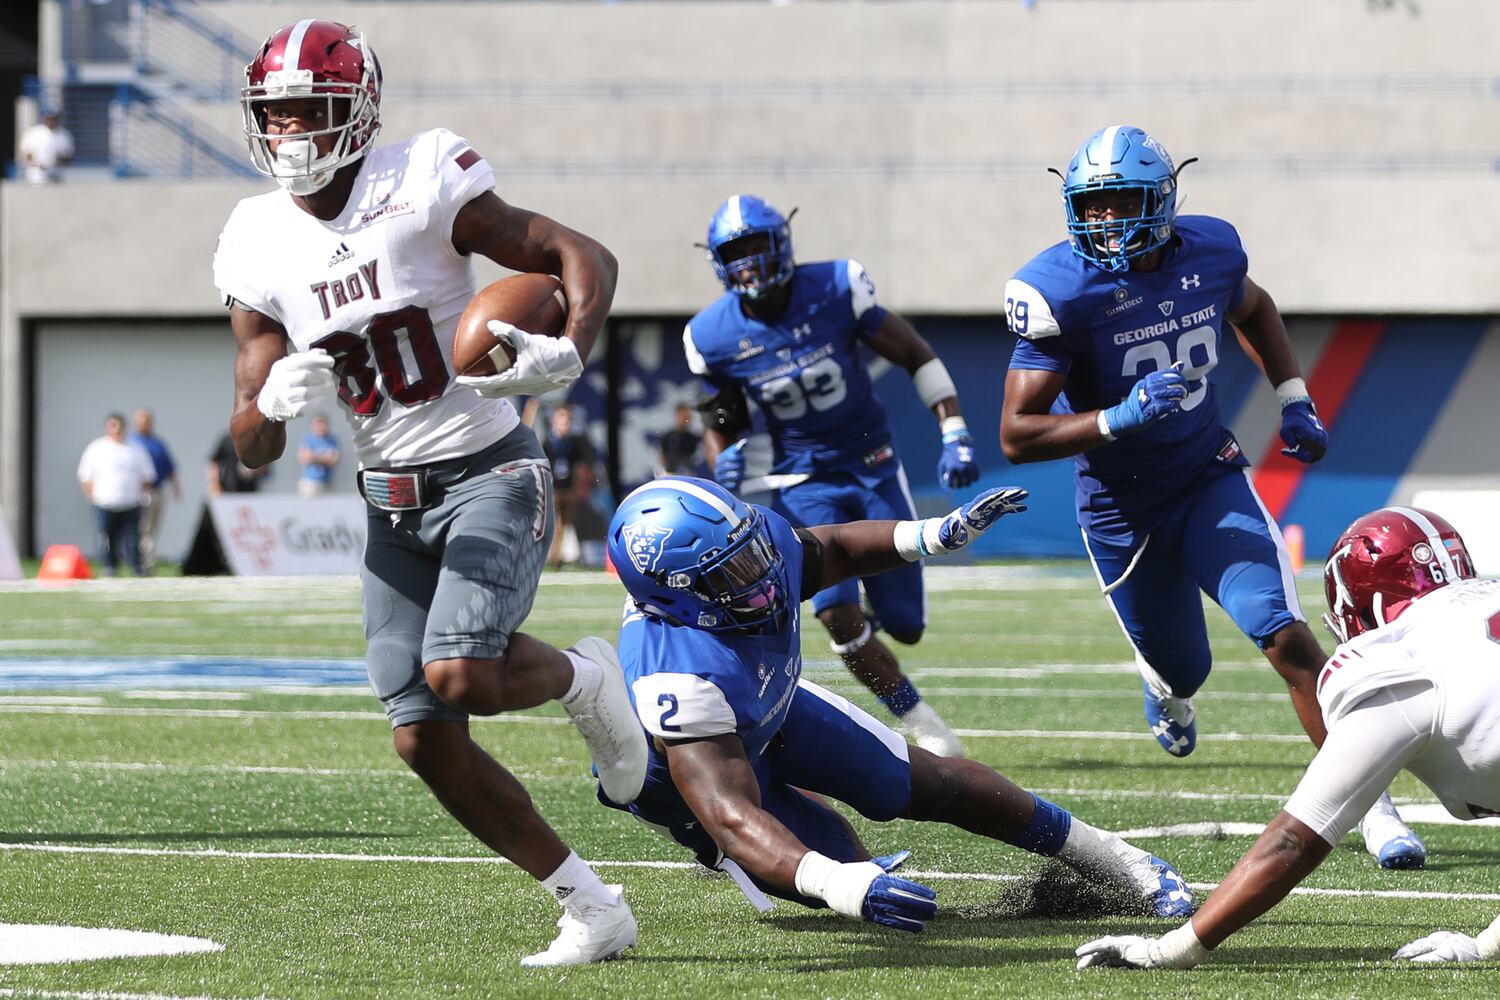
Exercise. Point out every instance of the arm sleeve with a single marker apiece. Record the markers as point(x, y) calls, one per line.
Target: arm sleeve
point(682, 706)
point(1365, 749)
point(462, 176)
point(868, 314)
point(231, 273)
point(812, 563)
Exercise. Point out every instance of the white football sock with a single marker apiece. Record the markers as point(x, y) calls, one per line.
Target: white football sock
point(575, 882)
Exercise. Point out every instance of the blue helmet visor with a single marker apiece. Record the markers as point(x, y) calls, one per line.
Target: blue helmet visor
point(744, 579)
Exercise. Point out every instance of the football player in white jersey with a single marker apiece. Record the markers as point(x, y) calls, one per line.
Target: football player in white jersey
point(351, 280)
point(1414, 684)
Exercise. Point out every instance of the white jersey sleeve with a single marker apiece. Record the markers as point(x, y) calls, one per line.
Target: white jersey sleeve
point(235, 267)
point(861, 289)
point(1366, 748)
point(1027, 312)
point(682, 706)
point(695, 361)
point(462, 176)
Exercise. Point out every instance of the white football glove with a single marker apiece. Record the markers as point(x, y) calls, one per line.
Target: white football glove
point(542, 364)
point(1442, 946)
point(1179, 949)
point(295, 383)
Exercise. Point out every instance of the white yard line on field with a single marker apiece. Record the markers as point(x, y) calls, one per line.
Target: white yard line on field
point(214, 853)
point(240, 713)
point(93, 995)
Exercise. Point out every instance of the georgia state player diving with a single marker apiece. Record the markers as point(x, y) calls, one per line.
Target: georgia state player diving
point(1413, 684)
point(787, 335)
point(1118, 328)
point(742, 745)
point(352, 279)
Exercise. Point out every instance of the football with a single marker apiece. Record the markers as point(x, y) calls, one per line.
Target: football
point(531, 302)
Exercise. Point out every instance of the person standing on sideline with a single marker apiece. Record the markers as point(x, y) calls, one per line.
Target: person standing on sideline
point(115, 476)
point(45, 147)
point(573, 475)
point(144, 437)
point(680, 452)
point(319, 453)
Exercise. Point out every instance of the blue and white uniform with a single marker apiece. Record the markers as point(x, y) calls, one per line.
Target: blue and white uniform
point(687, 683)
point(1170, 507)
point(804, 372)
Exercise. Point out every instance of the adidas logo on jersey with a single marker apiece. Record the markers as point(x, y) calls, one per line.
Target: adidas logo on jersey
point(340, 255)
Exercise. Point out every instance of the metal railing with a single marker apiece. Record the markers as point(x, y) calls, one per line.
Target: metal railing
point(154, 137)
point(191, 49)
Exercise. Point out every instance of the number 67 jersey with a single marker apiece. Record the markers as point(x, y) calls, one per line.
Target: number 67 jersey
point(380, 288)
point(1105, 331)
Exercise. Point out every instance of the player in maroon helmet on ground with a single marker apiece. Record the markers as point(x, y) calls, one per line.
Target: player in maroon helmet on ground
point(1413, 684)
point(350, 281)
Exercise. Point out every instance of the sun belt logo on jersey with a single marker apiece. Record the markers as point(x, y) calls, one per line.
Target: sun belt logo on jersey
point(643, 540)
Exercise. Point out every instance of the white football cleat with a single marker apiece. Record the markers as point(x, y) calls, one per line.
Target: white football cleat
point(1388, 839)
point(928, 731)
point(604, 718)
point(594, 929)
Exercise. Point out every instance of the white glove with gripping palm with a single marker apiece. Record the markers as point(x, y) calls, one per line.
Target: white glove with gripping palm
point(542, 364)
point(295, 383)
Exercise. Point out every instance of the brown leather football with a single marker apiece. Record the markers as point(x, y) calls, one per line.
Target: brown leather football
point(532, 302)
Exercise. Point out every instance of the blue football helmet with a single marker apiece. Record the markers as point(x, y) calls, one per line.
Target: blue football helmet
point(691, 552)
point(769, 264)
point(1120, 158)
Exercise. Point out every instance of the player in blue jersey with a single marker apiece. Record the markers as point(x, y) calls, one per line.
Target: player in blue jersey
point(1119, 328)
point(742, 747)
point(788, 336)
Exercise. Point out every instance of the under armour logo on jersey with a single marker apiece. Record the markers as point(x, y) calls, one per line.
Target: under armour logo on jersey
point(343, 253)
point(805, 330)
point(1166, 307)
point(643, 541)
point(1192, 282)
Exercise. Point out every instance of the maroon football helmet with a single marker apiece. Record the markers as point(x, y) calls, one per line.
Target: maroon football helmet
point(1384, 561)
point(311, 59)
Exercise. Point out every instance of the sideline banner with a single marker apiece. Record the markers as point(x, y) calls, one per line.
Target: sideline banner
point(288, 535)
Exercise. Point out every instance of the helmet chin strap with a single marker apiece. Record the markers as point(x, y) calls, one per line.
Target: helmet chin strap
point(294, 156)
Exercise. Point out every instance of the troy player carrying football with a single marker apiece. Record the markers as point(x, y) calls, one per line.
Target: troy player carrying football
point(1414, 684)
point(352, 281)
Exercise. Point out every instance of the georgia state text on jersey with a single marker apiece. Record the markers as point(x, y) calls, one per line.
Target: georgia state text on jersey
point(1106, 331)
point(1449, 638)
point(804, 369)
point(380, 288)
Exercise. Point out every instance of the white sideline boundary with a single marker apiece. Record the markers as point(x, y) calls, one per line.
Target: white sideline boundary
point(216, 854)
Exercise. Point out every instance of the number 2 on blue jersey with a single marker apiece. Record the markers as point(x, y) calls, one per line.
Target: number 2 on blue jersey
point(669, 700)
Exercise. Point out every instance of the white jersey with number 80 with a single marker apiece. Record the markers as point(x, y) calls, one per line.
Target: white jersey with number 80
point(380, 288)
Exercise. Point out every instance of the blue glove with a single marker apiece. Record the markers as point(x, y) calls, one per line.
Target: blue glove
point(974, 518)
point(890, 862)
point(957, 468)
point(1157, 395)
point(729, 467)
point(900, 903)
point(1302, 432)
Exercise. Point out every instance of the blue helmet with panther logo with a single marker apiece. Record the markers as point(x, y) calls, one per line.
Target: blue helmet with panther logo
point(1125, 160)
point(747, 266)
point(691, 552)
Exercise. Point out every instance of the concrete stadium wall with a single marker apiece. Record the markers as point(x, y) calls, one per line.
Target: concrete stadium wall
point(1353, 148)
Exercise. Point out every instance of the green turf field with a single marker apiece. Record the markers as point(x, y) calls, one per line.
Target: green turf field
point(275, 820)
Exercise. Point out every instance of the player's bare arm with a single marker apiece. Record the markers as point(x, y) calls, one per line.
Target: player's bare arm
point(717, 783)
point(856, 549)
point(1029, 432)
point(259, 343)
point(1264, 331)
point(526, 241)
point(1286, 853)
point(899, 343)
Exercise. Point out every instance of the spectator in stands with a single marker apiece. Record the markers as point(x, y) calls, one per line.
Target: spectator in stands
point(319, 453)
point(227, 474)
point(45, 147)
point(573, 476)
point(144, 437)
point(679, 446)
point(115, 476)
